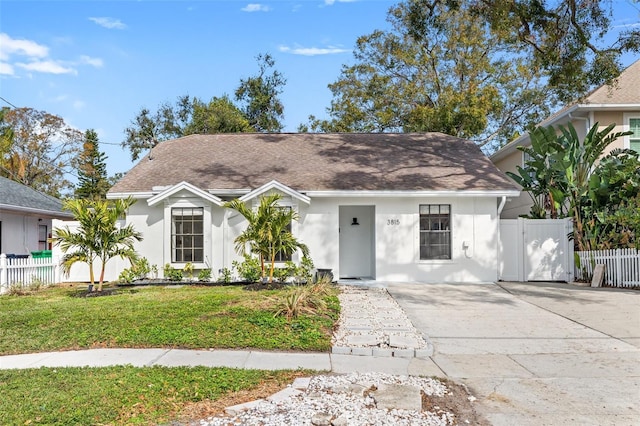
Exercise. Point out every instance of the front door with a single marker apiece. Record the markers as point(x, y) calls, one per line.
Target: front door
point(357, 242)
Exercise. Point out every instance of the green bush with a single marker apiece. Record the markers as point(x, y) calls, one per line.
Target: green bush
point(304, 272)
point(225, 276)
point(249, 269)
point(171, 273)
point(204, 275)
point(139, 270)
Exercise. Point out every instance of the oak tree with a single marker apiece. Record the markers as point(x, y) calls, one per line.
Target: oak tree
point(38, 149)
point(440, 71)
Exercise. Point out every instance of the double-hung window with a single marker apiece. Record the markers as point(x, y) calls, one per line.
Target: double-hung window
point(187, 234)
point(435, 231)
point(42, 237)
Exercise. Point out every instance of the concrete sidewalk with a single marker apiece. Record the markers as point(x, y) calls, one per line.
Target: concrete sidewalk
point(258, 360)
point(535, 354)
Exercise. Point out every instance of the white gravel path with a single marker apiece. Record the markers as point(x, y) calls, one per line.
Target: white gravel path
point(340, 400)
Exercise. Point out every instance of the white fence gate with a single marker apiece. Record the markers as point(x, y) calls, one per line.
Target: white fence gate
point(536, 250)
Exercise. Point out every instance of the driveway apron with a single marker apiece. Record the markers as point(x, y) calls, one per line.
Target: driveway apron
point(535, 354)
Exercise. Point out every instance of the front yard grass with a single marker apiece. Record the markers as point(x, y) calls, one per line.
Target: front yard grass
point(128, 395)
point(193, 317)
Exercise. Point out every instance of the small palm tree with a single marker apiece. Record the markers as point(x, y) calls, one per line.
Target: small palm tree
point(267, 231)
point(98, 236)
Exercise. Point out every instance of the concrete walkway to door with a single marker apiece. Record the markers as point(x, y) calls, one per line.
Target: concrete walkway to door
point(535, 354)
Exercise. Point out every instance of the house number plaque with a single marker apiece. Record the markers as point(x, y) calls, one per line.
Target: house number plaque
point(393, 222)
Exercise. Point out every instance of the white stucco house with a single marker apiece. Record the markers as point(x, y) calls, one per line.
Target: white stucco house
point(26, 218)
point(389, 207)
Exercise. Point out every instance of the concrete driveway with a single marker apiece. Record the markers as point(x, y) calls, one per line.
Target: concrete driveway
point(535, 354)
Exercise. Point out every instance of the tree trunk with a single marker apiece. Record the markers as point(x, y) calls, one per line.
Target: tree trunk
point(101, 276)
point(91, 275)
point(273, 265)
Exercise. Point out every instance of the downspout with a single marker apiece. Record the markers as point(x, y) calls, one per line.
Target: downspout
point(587, 122)
point(501, 206)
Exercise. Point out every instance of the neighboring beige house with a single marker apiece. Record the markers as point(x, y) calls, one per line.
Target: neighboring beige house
point(619, 104)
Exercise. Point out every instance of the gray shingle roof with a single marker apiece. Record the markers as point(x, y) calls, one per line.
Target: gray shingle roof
point(16, 196)
point(318, 162)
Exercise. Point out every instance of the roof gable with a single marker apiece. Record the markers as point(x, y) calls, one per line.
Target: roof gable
point(183, 186)
point(275, 185)
point(306, 162)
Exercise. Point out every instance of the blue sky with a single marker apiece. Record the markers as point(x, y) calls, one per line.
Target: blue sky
point(96, 63)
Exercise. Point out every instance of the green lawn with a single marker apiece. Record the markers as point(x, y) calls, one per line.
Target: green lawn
point(185, 317)
point(121, 395)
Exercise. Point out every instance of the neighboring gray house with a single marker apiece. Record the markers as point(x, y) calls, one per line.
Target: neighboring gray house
point(25, 218)
point(389, 207)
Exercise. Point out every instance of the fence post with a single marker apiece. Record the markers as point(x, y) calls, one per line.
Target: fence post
point(56, 270)
point(3, 272)
point(618, 256)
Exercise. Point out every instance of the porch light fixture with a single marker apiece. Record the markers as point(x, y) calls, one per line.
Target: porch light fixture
point(354, 221)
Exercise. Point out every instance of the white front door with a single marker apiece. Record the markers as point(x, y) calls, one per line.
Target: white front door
point(357, 238)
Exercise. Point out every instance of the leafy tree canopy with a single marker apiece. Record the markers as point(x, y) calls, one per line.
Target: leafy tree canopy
point(259, 110)
point(38, 149)
point(438, 71)
point(259, 96)
point(565, 38)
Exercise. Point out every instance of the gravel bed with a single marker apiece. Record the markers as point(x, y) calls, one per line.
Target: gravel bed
point(341, 400)
point(381, 314)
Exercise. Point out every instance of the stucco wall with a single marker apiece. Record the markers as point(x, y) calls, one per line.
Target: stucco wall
point(20, 233)
point(396, 236)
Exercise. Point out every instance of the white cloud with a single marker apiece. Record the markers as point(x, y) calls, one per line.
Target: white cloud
point(48, 66)
point(312, 51)
point(256, 7)
point(634, 25)
point(78, 104)
point(12, 46)
point(109, 23)
point(6, 69)
point(331, 2)
point(94, 62)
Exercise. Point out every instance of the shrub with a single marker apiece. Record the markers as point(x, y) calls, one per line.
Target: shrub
point(225, 276)
point(289, 270)
point(171, 273)
point(139, 270)
point(188, 270)
point(304, 272)
point(249, 269)
point(204, 275)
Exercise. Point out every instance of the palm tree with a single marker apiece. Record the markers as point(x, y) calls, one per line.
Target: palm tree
point(98, 235)
point(267, 231)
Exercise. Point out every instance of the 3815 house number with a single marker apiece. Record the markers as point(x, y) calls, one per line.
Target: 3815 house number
point(393, 222)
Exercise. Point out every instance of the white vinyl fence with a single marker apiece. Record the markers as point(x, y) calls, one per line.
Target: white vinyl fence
point(26, 272)
point(622, 266)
